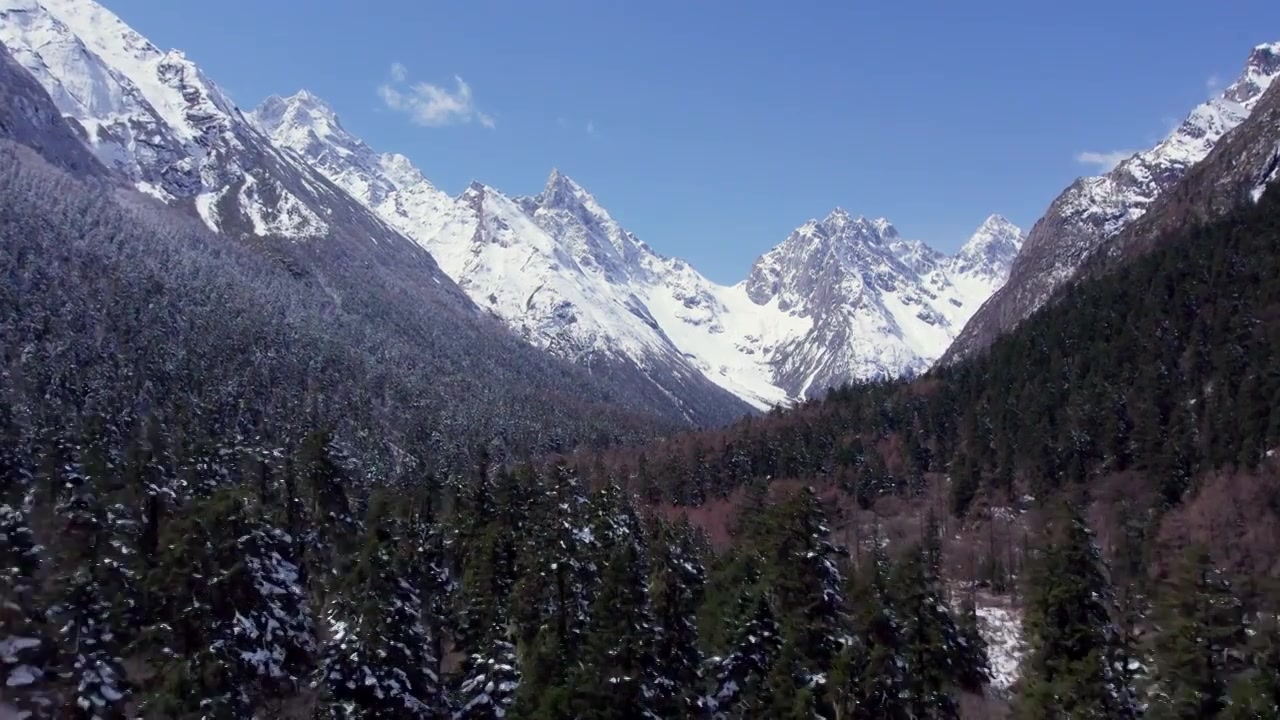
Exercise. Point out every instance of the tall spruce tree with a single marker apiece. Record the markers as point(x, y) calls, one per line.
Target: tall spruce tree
point(738, 690)
point(618, 672)
point(1200, 632)
point(677, 587)
point(1070, 670)
point(880, 677)
point(489, 680)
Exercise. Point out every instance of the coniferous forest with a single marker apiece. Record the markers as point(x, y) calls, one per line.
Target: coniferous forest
point(264, 536)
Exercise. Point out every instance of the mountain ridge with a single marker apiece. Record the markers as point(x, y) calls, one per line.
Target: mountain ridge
point(586, 284)
point(1093, 209)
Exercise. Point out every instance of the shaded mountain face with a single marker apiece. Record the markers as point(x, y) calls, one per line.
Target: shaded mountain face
point(565, 275)
point(1095, 209)
point(29, 117)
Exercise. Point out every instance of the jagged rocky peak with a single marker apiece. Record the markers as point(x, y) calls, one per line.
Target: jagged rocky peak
point(302, 109)
point(840, 224)
point(560, 191)
point(1263, 65)
point(992, 247)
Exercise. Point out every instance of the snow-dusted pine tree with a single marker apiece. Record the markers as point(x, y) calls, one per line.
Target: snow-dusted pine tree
point(489, 681)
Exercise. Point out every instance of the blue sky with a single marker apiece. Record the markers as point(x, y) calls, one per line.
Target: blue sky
point(711, 129)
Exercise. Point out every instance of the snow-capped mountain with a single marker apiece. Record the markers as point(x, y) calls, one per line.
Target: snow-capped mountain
point(877, 305)
point(1095, 209)
point(150, 115)
point(839, 300)
point(154, 119)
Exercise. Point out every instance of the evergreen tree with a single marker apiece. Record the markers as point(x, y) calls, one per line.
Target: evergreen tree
point(27, 653)
point(618, 673)
point(880, 677)
point(677, 584)
point(231, 618)
point(972, 667)
point(96, 585)
point(1070, 670)
point(803, 575)
point(490, 680)
point(740, 676)
point(939, 662)
point(1200, 631)
point(379, 662)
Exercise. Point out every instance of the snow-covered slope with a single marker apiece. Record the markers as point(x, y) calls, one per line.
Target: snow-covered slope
point(1095, 209)
point(153, 116)
point(561, 271)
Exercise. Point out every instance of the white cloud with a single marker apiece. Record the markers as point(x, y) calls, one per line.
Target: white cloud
point(1104, 161)
point(1213, 84)
point(431, 105)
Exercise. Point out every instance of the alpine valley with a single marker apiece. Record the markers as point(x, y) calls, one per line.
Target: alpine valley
point(286, 431)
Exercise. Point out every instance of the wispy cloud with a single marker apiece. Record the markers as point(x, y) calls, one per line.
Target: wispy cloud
point(591, 127)
point(1214, 84)
point(1103, 161)
point(431, 105)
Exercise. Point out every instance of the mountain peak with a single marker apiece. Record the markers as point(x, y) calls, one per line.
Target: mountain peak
point(995, 235)
point(997, 225)
point(305, 99)
point(562, 192)
point(559, 182)
point(838, 216)
point(303, 109)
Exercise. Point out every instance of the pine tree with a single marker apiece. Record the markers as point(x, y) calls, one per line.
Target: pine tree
point(880, 677)
point(931, 641)
point(803, 574)
point(96, 585)
point(1070, 670)
point(677, 584)
point(379, 662)
point(229, 611)
point(490, 680)
point(618, 671)
point(26, 654)
point(740, 676)
point(1200, 631)
point(972, 666)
